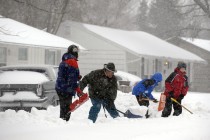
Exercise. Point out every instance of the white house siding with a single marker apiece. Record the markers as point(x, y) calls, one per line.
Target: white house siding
point(100, 51)
point(35, 54)
point(96, 59)
point(3, 54)
point(36, 46)
point(146, 67)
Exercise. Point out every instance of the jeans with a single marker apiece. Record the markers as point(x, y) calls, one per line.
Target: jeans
point(96, 107)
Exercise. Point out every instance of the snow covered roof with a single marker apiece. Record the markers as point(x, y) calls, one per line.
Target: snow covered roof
point(143, 43)
point(12, 31)
point(204, 44)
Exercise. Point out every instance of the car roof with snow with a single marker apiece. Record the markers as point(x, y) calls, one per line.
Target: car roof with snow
point(49, 70)
point(22, 77)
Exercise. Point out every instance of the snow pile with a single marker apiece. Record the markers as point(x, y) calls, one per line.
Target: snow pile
point(45, 124)
point(128, 77)
point(20, 95)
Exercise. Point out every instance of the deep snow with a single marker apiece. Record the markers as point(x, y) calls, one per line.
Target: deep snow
point(45, 124)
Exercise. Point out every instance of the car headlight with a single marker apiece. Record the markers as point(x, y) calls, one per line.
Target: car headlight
point(39, 90)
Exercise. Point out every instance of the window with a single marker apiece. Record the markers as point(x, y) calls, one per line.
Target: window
point(3, 54)
point(158, 65)
point(22, 54)
point(49, 57)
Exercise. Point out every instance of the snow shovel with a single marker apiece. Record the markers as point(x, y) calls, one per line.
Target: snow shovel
point(180, 105)
point(77, 103)
point(162, 102)
point(128, 114)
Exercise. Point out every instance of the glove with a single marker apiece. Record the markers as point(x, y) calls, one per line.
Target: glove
point(79, 92)
point(181, 96)
point(155, 101)
point(79, 77)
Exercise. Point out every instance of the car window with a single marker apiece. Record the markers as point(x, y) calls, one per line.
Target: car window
point(55, 70)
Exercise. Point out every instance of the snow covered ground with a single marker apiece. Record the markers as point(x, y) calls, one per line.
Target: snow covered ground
point(45, 124)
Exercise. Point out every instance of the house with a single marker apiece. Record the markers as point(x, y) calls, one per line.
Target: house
point(23, 44)
point(200, 47)
point(135, 52)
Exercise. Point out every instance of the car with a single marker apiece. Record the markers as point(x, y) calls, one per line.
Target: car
point(126, 81)
point(26, 86)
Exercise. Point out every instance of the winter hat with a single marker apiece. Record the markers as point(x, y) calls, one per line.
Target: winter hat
point(181, 65)
point(73, 49)
point(110, 67)
point(157, 77)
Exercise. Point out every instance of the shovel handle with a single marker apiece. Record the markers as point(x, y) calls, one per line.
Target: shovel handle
point(181, 105)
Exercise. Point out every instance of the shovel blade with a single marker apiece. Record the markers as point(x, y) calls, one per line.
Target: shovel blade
point(129, 114)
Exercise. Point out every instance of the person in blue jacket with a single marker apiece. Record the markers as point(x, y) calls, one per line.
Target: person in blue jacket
point(67, 80)
point(143, 90)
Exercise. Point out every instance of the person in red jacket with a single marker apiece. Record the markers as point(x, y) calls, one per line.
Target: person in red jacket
point(176, 86)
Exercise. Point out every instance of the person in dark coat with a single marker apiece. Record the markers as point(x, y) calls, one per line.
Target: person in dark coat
point(67, 80)
point(176, 86)
point(102, 90)
point(143, 90)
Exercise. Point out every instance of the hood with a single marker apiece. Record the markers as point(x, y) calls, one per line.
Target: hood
point(177, 70)
point(67, 56)
point(157, 77)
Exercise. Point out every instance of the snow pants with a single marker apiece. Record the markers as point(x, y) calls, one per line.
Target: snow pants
point(142, 102)
point(96, 107)
point(65, 101)
point(168, 108)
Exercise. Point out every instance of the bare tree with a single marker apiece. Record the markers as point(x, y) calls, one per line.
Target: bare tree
point(58, 9)
point(38, 13)
point(110, 13)
point(196, 19)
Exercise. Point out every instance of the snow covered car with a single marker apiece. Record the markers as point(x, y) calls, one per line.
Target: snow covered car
point(126, 81)
point(28, 86)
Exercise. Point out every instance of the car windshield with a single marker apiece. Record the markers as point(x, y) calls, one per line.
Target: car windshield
point(55, 71)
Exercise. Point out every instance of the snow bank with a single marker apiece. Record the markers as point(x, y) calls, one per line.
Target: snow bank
point(128, 77)
point(45, 124)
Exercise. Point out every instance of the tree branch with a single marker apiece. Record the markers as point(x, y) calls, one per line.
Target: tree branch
point(203, 7)
point(43, 10)
point(183, 6)
point(186, 28)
